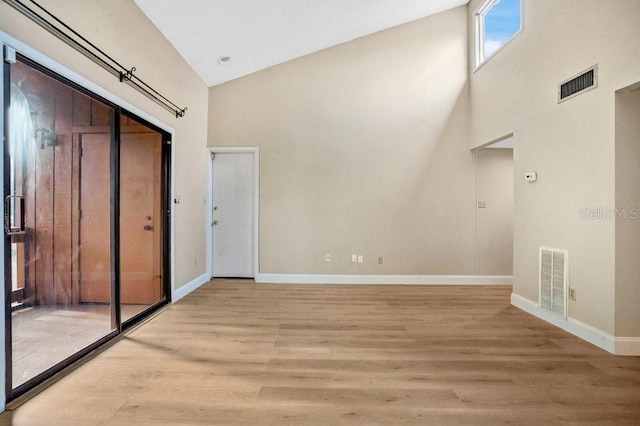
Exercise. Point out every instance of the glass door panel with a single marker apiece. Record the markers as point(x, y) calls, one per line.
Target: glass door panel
point(141, 223)
point(58, 221)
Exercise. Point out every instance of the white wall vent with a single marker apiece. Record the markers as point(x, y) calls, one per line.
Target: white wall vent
point(553, 280)
point(577, 85)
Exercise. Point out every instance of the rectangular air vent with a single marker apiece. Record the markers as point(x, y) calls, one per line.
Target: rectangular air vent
point(553, 280)
point(583, 82)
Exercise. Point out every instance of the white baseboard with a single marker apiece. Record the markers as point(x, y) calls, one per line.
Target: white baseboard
point(586, 332)
point(182, 291)
point(627, 346)
point(385, 279)
point(603, 340)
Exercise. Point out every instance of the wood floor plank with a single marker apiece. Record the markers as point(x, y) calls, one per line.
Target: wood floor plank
point(371, 396)
point(236, 352)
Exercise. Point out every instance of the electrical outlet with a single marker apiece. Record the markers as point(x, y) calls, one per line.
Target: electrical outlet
point(354, 258)
point(379, 260)
point(360, 258)
point(327, 258)
point(572, 294)
point(482, 204)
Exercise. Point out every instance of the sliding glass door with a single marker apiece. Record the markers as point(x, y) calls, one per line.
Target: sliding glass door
point(85, 216)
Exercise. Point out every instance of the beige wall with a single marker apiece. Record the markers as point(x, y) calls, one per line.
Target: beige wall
point(364, 150)
point(122, 30)
point(570, 145)
point(495, 221)
point(628, 212)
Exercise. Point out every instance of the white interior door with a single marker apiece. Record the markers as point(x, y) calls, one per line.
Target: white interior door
point(233, 207)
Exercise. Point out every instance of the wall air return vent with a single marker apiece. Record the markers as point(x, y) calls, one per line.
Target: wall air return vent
point(553, 280)
point(577, 85)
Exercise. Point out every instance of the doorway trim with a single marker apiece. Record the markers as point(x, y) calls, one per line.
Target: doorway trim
point(256, 205)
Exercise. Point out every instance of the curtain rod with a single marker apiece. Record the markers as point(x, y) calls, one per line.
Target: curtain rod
point(74, 39)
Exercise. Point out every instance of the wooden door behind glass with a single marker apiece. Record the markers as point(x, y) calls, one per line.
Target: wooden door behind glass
point(141, 219)
point(95, 201)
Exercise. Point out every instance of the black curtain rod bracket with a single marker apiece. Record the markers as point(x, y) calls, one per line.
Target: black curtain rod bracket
point(127, 75)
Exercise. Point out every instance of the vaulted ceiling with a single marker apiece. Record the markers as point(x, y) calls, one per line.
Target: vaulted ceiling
point(257, 34)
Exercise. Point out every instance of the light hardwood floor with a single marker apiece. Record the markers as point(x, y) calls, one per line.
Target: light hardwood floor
point(234, 352)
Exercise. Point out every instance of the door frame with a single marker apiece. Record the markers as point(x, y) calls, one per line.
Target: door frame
point(85, 85)
point(256, 203)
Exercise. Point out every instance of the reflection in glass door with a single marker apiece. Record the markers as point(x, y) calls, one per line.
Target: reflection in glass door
point(58, 222)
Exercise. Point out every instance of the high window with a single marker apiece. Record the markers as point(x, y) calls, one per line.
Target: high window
point(496, 22)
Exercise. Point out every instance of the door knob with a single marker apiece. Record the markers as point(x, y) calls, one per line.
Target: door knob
point(148, 228)
point(215, 222)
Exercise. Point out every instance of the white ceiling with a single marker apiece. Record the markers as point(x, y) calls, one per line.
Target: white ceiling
point(257, 34)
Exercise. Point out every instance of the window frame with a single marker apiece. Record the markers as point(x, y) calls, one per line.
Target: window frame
point(479, 32)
